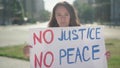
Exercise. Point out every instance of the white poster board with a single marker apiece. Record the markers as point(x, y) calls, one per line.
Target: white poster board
point(67, 47)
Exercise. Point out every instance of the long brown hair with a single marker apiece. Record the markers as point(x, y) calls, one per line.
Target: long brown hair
point(74, 21)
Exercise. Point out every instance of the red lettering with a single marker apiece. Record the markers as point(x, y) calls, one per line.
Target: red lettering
point(38, 61)
point(42, 60)
point(36, 38)
point(42, 37)
point(51, 54)
point(52, 36)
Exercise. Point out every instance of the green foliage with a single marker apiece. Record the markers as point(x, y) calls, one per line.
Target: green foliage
point(100, 12)
point(12, 12)
point(12, 7)
point(85, 11)
point(103, 10)
point(44, 16)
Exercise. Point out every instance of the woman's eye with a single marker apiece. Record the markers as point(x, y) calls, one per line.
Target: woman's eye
point(58, 15)
point(62, 15)
point(66, 14)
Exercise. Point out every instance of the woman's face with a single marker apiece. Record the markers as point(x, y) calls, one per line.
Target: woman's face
point(62, 16)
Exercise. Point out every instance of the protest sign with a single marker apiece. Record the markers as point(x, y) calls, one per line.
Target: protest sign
point(67, 47)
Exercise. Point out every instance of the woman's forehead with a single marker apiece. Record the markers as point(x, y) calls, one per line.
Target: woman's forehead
point(61, 8)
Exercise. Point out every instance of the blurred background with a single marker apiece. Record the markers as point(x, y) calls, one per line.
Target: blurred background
point(18, 16)
point(20, 12)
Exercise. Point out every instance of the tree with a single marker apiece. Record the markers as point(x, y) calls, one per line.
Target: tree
point(44, 16)
point(85, 11)
point(102, 10)
point(17, 14)
point(12, 12)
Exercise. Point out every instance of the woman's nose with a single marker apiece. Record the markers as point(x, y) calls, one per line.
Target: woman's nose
point(63, 18)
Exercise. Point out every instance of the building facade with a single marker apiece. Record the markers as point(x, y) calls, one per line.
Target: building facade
point(115, 12)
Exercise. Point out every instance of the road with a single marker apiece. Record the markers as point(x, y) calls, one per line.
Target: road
point(12, 35)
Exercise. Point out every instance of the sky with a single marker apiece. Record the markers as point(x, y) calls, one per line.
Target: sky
point(49, 4)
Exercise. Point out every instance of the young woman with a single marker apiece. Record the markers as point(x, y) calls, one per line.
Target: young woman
point(63, 15)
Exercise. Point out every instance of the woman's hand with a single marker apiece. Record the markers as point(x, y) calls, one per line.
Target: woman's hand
point(26, 50)
point(107, 54)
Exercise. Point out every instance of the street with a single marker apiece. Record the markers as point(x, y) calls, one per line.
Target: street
point(12, 35)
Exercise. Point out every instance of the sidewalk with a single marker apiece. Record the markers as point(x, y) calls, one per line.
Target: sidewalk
point(13, 63)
